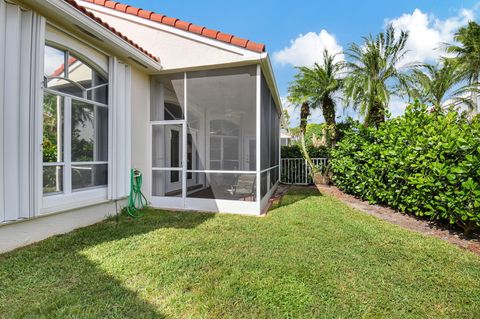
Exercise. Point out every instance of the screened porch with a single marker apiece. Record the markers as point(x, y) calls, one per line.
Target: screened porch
point(215, 140)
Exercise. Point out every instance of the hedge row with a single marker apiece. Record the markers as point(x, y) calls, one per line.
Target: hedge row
point(295, 151)
point(426, 163)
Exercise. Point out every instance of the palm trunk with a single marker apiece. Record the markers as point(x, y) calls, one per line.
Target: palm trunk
point(474, 97)
point(304, 114)
point(329, 131)
point(474, 101)
point(375, 114)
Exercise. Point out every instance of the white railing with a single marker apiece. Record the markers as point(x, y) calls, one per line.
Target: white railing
point(296, 170)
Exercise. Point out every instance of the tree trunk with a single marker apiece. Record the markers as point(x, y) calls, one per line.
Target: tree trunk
point(474, 97)
point(375, 114)
point(330, 131)
point(304, 114)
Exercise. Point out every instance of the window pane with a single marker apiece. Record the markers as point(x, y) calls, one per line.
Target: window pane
point(164, 185)
point(265, 124)
point(84, 75)
point(215, 149)
point(54, 62)
point(230, 148)
point(75, 78)
point(87, 175)
point(263, 184)
point(166, 146)
point(89, 132)
point(228, 186)
point(222, 106)
point(190, 154)
point(52, 179)
point(169, 96)
point(53, 108)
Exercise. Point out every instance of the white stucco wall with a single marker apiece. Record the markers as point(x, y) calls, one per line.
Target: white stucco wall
point(141, 145)
point(25, 233)
point(174, 47)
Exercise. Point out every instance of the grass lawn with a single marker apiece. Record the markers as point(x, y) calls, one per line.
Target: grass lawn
point(312, 256)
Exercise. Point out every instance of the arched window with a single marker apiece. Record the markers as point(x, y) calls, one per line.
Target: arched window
point(75, 123)
point(224, 145)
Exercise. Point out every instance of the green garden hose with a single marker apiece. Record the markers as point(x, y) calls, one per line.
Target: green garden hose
point(136, 199)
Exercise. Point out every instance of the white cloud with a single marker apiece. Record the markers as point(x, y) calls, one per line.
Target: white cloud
point(397, 106)
point(307, 49)
point(427, 33)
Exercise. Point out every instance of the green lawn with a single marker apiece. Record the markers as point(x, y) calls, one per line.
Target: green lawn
point(312, 256)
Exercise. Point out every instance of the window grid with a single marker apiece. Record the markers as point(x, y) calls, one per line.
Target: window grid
point(86, 126)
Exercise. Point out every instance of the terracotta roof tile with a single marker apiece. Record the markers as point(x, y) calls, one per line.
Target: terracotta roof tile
point(225, 37)
point(82, 9)
point(239, 42)
point(157, 17)
point(210, 33)
point(121, 7)
point(144, 14)
point(169, 21)
point(196, 29)
point(255, 46)
point(110, 4)
point(183, 25)
point(132, 10)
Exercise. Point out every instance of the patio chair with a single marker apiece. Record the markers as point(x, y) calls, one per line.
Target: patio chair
point(245, 186)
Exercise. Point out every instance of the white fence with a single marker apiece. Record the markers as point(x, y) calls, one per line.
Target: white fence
point(297, 171)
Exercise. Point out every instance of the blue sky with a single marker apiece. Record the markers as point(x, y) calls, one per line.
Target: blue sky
point(291, 28)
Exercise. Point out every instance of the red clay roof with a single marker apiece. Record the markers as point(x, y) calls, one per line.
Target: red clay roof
point(183, 25)
point(82, 9)
point(61, 68)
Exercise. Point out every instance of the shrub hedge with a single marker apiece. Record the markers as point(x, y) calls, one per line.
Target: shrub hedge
point(426, 163)
point(294, 151)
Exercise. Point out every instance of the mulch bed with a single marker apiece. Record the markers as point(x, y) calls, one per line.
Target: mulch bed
point(426, 227)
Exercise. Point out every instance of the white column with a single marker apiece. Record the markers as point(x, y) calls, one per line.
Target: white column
point(25, 131)
point(21, 73)
point(36, 101)
point(120, 129)
point(11, 119)
point(128, 129)
point(2, 75)
point(258, 135)
point(184, 141)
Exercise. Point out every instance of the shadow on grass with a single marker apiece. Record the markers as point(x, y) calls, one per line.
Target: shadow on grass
point(52, 279)
point(295, 194)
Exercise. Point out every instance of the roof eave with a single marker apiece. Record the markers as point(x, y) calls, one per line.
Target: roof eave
point(115, 43)
point(178, 24)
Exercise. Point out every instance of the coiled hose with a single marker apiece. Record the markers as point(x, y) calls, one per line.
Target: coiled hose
point(136, 200)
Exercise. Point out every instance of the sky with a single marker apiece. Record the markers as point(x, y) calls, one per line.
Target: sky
point(296, 32)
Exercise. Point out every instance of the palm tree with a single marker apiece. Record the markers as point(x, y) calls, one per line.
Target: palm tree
point(435, 84)
point(323, 82)
point(315, 88)
point(467, 55)
point(299, 95)
point(374, 73)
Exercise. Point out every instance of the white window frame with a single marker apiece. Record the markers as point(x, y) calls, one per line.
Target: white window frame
point(68, 198)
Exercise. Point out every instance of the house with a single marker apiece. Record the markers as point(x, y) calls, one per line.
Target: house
point(286, 138)
point(90, 89)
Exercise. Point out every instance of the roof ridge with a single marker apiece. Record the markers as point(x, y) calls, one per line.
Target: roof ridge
point(82, 9)
point(182, 25)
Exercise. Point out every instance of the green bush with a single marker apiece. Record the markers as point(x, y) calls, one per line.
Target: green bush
point(422, 162)
point(295, 151)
